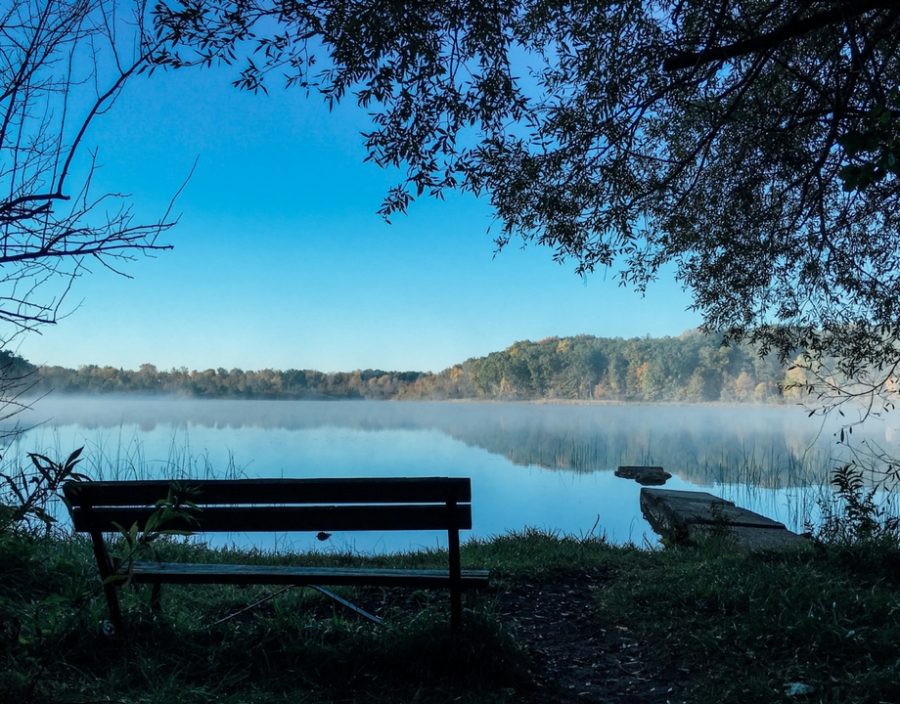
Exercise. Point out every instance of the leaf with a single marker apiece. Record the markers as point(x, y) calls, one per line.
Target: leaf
point(152, 521)
point(73, 458)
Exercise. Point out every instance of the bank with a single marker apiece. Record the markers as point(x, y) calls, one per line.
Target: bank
point(564, 620)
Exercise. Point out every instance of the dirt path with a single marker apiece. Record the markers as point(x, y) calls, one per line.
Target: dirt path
point(578, 657)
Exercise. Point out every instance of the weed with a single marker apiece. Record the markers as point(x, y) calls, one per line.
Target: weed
point(852, 515)
point(26, 492)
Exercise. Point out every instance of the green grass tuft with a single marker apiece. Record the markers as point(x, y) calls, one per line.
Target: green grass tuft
point(738, 627)
point(747, 626)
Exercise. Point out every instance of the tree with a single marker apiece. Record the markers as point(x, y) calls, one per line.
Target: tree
point(754, 145)
point(62, 65)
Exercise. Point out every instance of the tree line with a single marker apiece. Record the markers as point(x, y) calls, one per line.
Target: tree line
point(754, 147)
point(693, 367)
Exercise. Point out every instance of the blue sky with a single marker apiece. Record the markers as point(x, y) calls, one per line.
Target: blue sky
point(281, 261)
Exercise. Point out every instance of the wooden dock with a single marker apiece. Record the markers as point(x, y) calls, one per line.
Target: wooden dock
point(688, 517)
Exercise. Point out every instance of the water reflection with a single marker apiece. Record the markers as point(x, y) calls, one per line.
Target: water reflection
point(542, 465)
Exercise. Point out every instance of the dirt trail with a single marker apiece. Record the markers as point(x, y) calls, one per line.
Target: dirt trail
point(578, 657)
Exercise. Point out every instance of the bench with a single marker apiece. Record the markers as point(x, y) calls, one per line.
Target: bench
point(282, 505)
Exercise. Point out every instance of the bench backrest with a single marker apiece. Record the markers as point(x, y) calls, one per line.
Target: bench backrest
point(244, 505)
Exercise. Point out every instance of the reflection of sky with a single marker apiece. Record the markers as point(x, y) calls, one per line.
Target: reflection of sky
point(487, 442)
point(771, 446)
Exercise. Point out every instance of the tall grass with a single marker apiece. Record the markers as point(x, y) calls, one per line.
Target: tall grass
point(124, 459)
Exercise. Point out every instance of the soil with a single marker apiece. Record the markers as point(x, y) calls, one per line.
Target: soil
point(577, 656)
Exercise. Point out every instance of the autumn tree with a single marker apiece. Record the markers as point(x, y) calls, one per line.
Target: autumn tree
point(754, 146)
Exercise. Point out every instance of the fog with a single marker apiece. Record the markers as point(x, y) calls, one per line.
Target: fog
point(706, 442)
point(532, 464)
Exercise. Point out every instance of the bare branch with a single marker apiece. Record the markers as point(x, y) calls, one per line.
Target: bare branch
point(60, 57)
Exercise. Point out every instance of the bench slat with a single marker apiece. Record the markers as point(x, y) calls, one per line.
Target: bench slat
point(193, 573)
point(283, 505)
point(239, 519)
point(275, 491)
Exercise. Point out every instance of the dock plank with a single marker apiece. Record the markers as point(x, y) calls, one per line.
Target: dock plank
point(685, 517)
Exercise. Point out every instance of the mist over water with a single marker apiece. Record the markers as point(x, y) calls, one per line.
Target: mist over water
point(540, 465)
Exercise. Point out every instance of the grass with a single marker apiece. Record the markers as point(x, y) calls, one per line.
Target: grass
point(754, 627)
point(296, 647)
point(738, 627)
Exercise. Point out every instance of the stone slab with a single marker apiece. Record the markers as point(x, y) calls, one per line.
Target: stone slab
point(685, 517)
point(750, 538)
point(642, 474)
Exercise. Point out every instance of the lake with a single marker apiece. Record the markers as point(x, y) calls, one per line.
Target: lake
point(540, 465)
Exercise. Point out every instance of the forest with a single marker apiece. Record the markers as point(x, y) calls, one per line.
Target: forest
point(693, 367)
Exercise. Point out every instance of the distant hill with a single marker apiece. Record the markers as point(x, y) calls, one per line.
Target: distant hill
point(692, 367)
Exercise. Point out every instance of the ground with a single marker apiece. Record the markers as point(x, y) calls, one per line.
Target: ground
point(577, 656)
point(563, 620)
point(573, 654)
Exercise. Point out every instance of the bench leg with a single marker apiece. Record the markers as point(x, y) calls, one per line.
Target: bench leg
point(105, 567)
point(156, 598)
point(455, 578)
point(112, 600)
point(455, 610)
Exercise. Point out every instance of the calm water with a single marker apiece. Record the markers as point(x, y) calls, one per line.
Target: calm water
point(540, 465)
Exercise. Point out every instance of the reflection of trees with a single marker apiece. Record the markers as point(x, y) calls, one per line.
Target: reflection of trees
point(771, 447)
point(712, 456)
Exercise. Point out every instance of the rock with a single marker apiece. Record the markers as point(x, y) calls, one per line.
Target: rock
point(691, 517)
point(797, 689)
point(645, 476)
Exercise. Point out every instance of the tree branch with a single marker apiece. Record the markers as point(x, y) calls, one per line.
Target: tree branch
point(790, 30)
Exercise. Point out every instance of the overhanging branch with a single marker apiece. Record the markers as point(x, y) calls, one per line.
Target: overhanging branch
point(790, 30)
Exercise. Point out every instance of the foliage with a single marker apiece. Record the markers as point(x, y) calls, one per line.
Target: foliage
point(25, 494)
point(172, 515)
point(692, 367)
point(853, 515)
point(873, 148)
point(750, 145)
point(18, 381)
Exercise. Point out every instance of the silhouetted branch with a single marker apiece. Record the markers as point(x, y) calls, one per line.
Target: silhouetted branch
point(61, 57)
point(768, 40)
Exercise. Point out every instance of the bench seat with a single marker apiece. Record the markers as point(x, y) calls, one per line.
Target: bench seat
point(319, 505)
point(215, 573)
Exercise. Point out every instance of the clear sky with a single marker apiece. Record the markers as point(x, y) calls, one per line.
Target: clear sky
point(280, 259)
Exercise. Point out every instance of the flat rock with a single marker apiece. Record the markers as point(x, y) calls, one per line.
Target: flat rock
point(750, 538)
point(686, 517)
point(645, 475)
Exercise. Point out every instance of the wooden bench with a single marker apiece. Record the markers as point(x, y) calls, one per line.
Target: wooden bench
point(254, 505)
